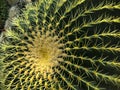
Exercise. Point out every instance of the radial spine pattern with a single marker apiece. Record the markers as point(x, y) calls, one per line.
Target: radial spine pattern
point(62, 45)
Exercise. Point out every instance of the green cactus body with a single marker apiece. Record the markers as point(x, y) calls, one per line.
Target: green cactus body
point(62, 45)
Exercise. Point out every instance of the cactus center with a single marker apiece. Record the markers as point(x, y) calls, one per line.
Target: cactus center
point(44, 53)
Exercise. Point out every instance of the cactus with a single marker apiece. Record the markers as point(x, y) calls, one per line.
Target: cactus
point(14, 11)
point(63, 45)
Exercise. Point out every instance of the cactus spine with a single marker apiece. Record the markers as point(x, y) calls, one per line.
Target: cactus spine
point(62, 45)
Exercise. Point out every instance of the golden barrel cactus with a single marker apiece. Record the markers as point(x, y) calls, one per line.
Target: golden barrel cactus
point(63, 45)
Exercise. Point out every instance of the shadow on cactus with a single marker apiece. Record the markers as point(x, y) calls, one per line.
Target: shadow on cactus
point(3, 13)
point(63, 45)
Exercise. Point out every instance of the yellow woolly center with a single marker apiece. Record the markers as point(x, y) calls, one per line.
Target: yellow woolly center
point(44, 53)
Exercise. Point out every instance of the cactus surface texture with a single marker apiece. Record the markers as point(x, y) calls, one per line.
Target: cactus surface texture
point(63, 45)
point(16, 6)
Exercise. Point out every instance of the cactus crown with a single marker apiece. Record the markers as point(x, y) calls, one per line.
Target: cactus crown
point(62, 45)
